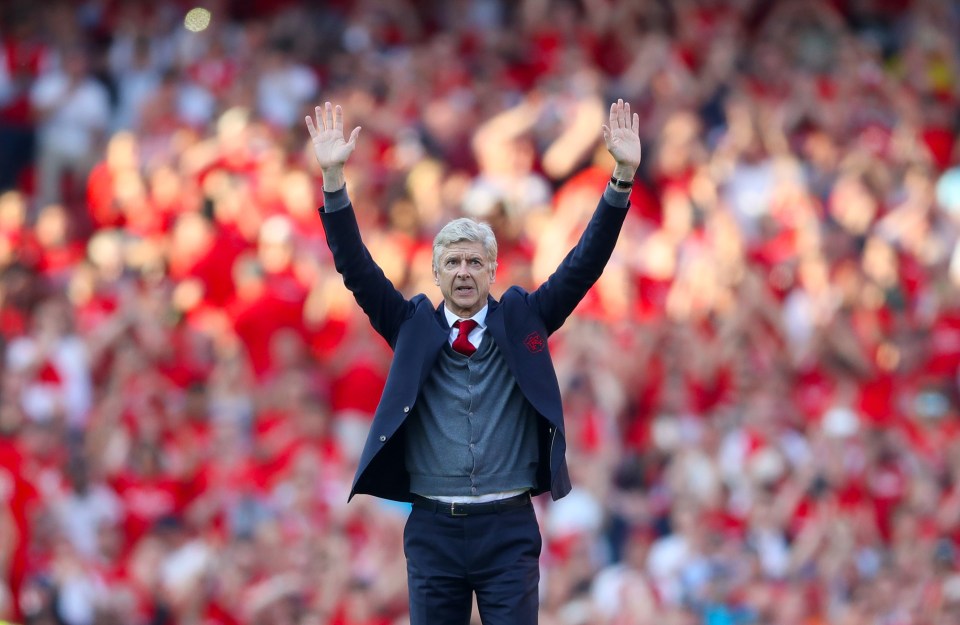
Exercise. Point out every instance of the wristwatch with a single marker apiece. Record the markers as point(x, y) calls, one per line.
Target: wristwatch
point(621, 185)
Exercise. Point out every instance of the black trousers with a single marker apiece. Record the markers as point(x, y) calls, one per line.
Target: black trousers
point(494, 554)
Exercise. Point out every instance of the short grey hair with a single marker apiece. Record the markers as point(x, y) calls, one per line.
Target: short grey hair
point(465, 229)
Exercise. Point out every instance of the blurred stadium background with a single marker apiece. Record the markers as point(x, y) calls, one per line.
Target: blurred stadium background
point(761, 392)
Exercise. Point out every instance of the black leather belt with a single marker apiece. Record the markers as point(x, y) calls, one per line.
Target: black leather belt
point(468, 509)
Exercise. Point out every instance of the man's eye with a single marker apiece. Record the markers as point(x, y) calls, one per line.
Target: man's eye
point(476, 262)
point(451, 263)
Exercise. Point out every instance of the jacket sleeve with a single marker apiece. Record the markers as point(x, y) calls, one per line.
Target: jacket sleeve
point(383, 304)
point(559, 295)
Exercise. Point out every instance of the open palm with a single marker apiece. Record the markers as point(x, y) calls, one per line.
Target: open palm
point(622, 135)
point(329, 145)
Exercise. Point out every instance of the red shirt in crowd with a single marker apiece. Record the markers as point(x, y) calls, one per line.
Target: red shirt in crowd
point(145, 500)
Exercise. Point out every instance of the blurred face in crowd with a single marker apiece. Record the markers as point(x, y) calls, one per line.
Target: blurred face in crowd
point(464, 273)
point(51, 318)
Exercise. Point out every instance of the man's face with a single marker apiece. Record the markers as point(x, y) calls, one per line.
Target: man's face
point(465, 274)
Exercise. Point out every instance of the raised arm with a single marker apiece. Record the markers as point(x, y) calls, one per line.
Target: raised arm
point(557, 297)
point(380, 300)
point(329, 145)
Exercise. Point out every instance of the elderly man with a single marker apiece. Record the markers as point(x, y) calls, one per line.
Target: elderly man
point(470, 423)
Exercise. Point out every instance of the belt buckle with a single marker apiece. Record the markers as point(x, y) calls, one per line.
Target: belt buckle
point(453, 510)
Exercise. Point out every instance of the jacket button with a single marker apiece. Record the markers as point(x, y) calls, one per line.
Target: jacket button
point(406, 408)
point(382, 438)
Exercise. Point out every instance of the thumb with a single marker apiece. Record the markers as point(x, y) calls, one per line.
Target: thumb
point(353, 137)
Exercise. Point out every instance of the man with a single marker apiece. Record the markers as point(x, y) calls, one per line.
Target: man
point(470, 423)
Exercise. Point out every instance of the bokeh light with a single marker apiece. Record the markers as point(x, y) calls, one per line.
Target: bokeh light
point(197, 19)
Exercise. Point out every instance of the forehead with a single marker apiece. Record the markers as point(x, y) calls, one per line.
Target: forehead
point(463, 248)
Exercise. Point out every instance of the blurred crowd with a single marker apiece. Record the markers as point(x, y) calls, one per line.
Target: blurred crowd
point(762, 392)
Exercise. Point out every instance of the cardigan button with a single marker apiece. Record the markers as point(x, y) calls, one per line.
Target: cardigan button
point(406, 408)
point(382, 438)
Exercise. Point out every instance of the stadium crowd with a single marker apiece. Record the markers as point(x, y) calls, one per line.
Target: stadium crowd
point(762, 392)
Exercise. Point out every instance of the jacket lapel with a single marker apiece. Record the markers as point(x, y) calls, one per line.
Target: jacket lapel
point(442, 318)
point(495, 325)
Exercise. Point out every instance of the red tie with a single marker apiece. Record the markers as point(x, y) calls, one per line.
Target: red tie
point(461, 344)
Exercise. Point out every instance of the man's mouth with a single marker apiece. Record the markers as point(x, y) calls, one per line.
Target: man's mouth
point(463, 289)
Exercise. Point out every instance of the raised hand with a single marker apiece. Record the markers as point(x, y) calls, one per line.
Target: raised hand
point(329, 145)
point(622, 136)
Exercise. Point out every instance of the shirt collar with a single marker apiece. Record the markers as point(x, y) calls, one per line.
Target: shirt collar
point(480, 317)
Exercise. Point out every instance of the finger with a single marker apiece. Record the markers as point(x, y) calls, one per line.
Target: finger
point(620, 123)
point(636, 124)
point(613, 114)
point(626, 115)
point(318, 113)
point(328, 123)
point(310, 127)
point(338, 118)
point(606, 134)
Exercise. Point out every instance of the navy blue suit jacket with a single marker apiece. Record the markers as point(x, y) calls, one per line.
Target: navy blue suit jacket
point(519, 322)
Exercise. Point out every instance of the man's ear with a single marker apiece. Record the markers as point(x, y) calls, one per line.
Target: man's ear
point(436, 277)
point(493, 272)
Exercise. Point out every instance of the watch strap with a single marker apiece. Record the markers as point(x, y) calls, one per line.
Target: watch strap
point(622, 185)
